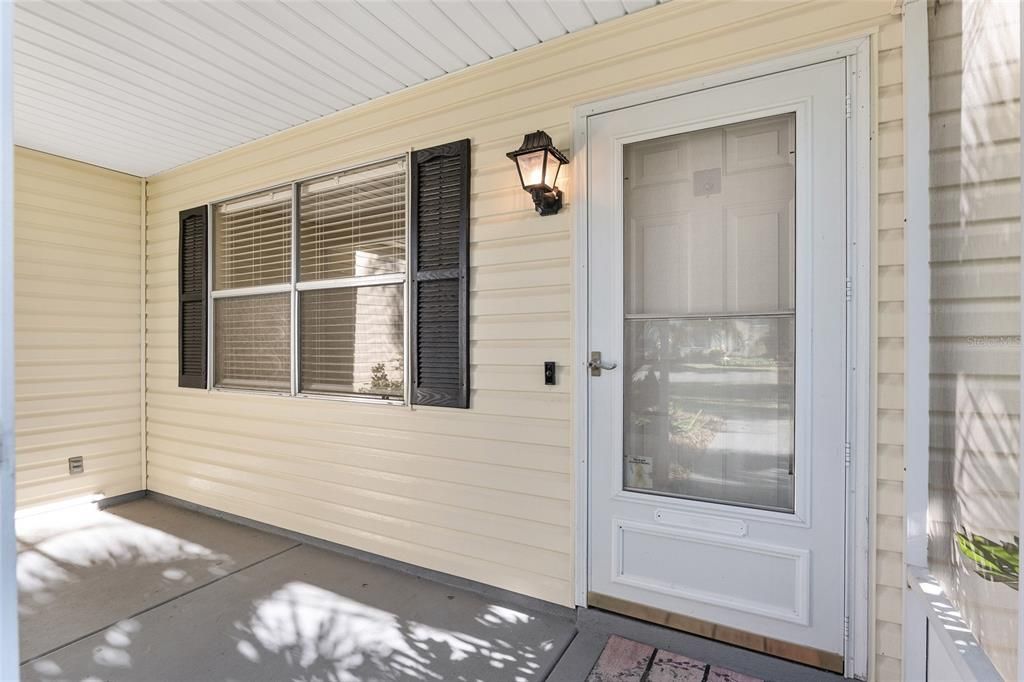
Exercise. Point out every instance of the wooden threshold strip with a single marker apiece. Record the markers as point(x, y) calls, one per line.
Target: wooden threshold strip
point(773, 647)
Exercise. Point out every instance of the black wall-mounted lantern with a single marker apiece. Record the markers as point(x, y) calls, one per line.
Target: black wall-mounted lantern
point(538, 162)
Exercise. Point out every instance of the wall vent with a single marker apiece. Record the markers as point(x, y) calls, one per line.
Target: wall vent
point(76, 465)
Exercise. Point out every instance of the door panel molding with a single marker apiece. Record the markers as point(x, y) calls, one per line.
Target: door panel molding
point(798, 560)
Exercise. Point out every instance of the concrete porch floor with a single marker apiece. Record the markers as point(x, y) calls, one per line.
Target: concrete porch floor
point(148, 591)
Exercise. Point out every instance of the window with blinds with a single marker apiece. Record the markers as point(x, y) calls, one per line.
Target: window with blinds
point(352, 259)
point(352, 224)
point(346, 235)
point(352, 284)
point(252, 254)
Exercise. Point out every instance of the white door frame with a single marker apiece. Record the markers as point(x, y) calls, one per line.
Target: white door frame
point(860, 176)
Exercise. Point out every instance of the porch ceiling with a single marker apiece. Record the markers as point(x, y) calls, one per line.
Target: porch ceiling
point(142, 86)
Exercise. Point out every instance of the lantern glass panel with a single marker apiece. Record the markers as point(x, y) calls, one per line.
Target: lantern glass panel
point(531, 169)
point(551, 174)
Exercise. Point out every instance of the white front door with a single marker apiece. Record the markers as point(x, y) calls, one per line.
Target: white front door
point(718, 289)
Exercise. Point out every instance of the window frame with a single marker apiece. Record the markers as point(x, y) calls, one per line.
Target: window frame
point(293, 287)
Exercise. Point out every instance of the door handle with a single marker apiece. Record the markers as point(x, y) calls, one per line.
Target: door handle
point(596, 364)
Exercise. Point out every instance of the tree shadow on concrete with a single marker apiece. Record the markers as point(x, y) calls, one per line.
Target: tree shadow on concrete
point(310, 614)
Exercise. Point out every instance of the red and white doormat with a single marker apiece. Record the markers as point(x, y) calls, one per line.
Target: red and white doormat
point(624, 660)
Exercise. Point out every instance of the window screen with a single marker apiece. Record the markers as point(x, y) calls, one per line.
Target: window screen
point(251, 337)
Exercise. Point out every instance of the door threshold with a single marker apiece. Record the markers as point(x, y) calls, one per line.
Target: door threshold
point(796, 653)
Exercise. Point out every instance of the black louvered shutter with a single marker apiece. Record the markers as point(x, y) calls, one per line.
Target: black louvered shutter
point(192, 298)
point(439, 275)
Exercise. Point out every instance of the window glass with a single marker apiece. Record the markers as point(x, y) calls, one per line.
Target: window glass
point(251, 336)
point(351, 332)
point(253, 240)
point(352, 224)
point(352, 340)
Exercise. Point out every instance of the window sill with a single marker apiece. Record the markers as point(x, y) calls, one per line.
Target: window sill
point(360, 400)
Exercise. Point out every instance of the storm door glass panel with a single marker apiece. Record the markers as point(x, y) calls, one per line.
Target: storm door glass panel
point(709, 271)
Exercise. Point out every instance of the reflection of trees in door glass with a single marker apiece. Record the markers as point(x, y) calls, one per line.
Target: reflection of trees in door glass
point(709, 265)
point(709, 409)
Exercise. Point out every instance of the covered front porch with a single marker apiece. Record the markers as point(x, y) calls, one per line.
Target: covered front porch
point(486, 340)
point(151, 588)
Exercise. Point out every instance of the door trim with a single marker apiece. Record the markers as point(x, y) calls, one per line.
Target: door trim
point(860, 182)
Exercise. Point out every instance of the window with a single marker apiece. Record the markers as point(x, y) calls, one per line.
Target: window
point(354, 283)
point(251, 280)
point(309, 286)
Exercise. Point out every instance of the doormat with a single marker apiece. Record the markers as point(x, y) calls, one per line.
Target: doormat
point(623, 660)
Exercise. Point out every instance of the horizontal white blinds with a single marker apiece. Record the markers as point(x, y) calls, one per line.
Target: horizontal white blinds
point(251, 336)
point(350, 335)
point(352, 340)
point(253, 240)
point(352, 223)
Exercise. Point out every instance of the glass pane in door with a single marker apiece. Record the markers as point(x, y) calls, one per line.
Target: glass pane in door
point(710, 314)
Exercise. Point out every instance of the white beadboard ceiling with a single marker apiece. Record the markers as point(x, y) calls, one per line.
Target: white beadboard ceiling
point(142, 86)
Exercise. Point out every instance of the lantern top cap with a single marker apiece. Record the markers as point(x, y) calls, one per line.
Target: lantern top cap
point(538, 141)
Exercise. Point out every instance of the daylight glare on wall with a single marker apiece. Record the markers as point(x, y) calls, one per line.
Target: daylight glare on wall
point(975, 316)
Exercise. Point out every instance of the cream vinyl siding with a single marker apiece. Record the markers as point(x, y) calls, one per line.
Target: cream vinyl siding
point(77, 328)
point(975, 254)
point(486, 493)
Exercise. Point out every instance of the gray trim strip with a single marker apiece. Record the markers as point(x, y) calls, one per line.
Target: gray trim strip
point(108, 502)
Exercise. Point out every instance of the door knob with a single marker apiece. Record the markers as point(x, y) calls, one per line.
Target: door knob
point(596, 364)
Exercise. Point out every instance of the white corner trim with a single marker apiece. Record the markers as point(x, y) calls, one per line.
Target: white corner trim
point(857, 51)
point(143, 425)
point(917, 322)
point(917, 282)
point(8, 585)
